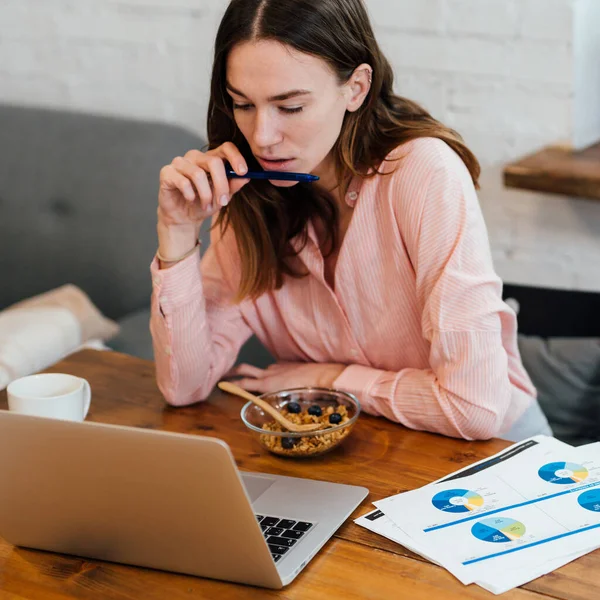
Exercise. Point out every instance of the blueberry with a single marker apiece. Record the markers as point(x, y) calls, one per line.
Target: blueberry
point(288, 443)
point(335, 418)
point(315, 410)
point(293, 407)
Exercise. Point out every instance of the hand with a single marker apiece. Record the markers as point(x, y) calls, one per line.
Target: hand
point(284, 375)
point(187, 196)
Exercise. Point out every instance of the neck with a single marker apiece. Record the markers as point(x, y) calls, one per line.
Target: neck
point(328, 182)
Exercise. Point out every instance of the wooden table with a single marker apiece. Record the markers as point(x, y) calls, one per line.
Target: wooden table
point(383, 456)
point(558, 170)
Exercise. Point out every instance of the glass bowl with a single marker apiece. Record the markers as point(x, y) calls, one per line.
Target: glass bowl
point(274, 438)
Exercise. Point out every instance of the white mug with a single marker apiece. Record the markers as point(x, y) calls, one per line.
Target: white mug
point(54, 395)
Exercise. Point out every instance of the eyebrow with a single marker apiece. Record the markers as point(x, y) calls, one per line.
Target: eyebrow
point(278, 98)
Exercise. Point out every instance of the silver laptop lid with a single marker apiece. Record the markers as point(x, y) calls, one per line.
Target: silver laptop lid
point(141, 497)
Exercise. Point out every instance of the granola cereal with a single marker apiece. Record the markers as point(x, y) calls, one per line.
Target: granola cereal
point(309, 445)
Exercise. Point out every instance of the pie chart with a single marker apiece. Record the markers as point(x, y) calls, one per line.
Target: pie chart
point(457, 501)
point(590, 500)
point(499, 530)
point(563, 473)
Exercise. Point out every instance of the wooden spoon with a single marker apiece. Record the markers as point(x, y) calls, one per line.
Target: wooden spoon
point(227, 386)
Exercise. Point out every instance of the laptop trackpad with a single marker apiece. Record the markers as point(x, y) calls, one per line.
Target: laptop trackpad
point(256, 485)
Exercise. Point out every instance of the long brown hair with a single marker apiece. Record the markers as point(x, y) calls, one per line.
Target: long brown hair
point(265, 218)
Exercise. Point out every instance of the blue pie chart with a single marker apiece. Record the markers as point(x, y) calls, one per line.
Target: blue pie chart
point(457, 501)
point(563, 473)
point(590, 500)
point(498, 530)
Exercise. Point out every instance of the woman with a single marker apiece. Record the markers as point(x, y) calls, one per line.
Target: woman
point(377, 279)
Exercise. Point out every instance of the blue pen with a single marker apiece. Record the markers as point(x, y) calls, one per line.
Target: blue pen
point(277, 175)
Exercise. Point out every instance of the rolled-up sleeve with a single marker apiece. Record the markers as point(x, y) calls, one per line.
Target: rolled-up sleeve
point(197, 330)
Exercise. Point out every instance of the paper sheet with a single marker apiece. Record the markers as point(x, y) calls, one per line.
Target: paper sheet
point(505, 520)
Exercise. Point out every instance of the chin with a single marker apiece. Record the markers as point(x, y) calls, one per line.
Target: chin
point(283, 184)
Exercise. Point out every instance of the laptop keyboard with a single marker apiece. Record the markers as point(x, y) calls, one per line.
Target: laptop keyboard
point(282, 534)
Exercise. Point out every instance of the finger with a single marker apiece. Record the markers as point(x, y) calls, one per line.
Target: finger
point(205, 192)
point(246, 370)
point(198, 177)
point(171, 178)
point(195, 156)
point(213, 165)
point(234, 157)
point(252, 385)
point(220, 183)
point(278, 368)
point(201, 214)
point(229, 152)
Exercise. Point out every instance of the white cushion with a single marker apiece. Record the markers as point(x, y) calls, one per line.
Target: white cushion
point(40, 331)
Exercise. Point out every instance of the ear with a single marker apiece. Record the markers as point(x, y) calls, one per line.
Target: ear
point(358, 86)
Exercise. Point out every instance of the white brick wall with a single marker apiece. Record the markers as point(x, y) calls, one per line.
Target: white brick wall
point(143, 59)
point(493, 18)
point(587, 73)
point(508, 74)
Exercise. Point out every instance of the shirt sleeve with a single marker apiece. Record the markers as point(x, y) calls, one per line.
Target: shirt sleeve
point(197, 330)
point(466, 392)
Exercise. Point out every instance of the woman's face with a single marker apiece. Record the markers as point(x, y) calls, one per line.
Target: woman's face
point(288, 105)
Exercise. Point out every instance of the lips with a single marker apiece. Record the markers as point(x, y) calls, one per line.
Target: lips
point(275, 164)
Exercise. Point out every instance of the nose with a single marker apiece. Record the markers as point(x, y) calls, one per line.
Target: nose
point(266, 131)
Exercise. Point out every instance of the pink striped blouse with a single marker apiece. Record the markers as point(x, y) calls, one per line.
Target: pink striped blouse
point(416, 312)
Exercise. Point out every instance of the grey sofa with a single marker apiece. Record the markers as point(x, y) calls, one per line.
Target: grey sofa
point(78, 200)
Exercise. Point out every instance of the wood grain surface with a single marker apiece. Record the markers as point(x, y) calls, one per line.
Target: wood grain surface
point(382, 456)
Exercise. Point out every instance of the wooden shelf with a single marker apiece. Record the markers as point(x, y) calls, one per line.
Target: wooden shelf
point(558, 170)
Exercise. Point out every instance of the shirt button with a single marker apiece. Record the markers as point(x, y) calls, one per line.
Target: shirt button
point(352, 195)
point(354, 354)
point(163, 299)
point(157, 280)
point(168, 351)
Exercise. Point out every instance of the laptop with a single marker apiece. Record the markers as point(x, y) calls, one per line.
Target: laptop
point(161, 500)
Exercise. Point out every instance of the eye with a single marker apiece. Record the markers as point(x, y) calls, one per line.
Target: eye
point(283, 109)
point(289, 111)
